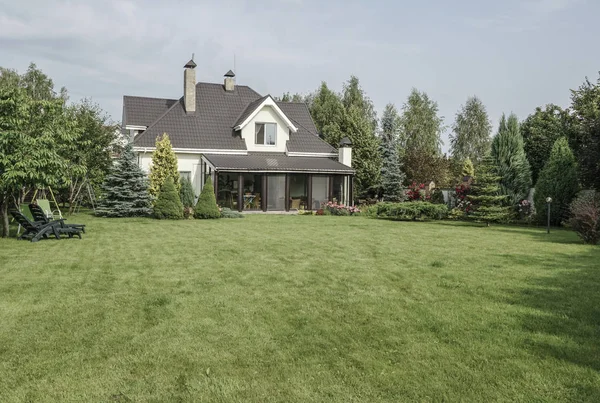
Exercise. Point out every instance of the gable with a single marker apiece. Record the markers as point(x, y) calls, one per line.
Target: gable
point(265, 114)
point(259, 105)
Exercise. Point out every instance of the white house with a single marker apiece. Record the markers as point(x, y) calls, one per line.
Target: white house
point(261, 154)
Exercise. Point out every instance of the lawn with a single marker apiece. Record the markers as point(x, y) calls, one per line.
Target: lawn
point(299, 309)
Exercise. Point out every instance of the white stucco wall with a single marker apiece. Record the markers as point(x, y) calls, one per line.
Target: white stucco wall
point(266, 115)
point(185, 163)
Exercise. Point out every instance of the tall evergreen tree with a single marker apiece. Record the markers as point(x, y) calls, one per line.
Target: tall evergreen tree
point(186, 193)
point(392, 177)
point(420, 125)
point(168, 205)
point(354, 95)
point(327, 112)
point(509, 156)
point(206, 207)
point(471, 132)
point(484, 194)
point(558, 180)
point(125, 189)
point(540, 131)
point(164, 164)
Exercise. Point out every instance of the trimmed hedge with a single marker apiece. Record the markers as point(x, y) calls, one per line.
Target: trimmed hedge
point(409, 211)
point(229, 213)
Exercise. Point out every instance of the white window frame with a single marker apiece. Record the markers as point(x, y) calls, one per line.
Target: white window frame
point(265, 138)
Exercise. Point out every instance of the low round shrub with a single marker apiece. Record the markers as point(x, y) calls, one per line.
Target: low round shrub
point(229, 213)
point(168, 205)
point(585, 217)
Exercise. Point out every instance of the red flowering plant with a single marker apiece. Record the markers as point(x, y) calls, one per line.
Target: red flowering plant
point(334, 208)
point(524, 209)
point(463, 206)
point(417, 192)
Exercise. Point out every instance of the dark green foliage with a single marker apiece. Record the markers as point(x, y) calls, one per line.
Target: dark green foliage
point(420, 124)
point(511, 162)
point(206, 207)
point(125, 189)
point(437, 196)
point(557, 180)
point(229, 213)
point(540, 131)
point(409, 211)
point(471, 131)
point(485, 197)
point(585, 217)
point(168, 204)
point(392, 177)
point(186, 193)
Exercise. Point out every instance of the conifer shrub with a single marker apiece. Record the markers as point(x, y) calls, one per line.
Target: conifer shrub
point(485, 198)
point(207, 208)
point(168, 205)
point(229, 213)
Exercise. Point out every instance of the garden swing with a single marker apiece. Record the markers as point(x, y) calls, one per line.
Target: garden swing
point(45, 203)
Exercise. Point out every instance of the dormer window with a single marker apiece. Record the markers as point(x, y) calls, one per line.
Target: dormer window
point(265, 134)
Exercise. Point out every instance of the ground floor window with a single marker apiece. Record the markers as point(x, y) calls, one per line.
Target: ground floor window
point(276, 192)
point(298, 191)
point(320, 191)
point(228, 190)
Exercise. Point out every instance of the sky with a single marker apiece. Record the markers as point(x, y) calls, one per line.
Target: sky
point(514, 54)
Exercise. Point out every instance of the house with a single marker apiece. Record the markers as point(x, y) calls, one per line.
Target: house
point(261, 154)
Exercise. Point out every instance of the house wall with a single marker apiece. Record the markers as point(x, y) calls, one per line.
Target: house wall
point(266, 115)
point(185, 163)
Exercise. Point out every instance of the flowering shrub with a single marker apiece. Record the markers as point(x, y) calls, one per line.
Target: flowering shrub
point(524, 209)
point(339, 209)
point(417, 192)
point(411, 211)
point(463, 206)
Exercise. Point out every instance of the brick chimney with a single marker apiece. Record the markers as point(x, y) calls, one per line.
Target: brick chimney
point(229, 81)
point(189, 87)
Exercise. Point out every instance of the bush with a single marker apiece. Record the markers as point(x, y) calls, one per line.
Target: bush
point(411, 211)
point(186, 193)
point(585, 217)
point(416, 191)
point(207, 208)
point(437, 196)
point(168, 205)
point(332, 208)
point(229, 213)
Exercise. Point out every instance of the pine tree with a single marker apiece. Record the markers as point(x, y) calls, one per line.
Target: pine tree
point(207, 204)
point(186, 193)
point(125, 189)
point(484, 195)
point(168, 205)
point(472, 128)
point(509, 155)
point(392, 176)
point(558, 180)
point(164, 164)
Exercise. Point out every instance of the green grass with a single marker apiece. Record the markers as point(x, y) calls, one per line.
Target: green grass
point(298, 309)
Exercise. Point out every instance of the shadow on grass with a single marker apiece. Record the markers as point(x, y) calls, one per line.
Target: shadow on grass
point(563, 318)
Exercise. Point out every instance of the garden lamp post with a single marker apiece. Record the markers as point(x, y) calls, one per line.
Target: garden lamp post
point(548, 203)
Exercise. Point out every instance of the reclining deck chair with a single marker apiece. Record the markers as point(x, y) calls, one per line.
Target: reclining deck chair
point(37, 230)
point(39, 214)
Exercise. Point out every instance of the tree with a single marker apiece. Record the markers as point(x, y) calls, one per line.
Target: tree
point(125, 189)
point(186, 193)
point(207, 208)
point(287, 97)
point(585, 138)
point(168, 204)
point(392, 177)
point(327, 112)
point(467, 169)
point(421, 166)
point(164, 165)
point(558, 180)
point(472, 129)
point(420, 125)
point(354, 95)
point(509, 156)
point(540, 131)
point(484, 194)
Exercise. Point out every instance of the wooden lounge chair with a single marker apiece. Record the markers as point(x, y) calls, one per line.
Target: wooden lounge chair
point(36, 230)
point(39, 214)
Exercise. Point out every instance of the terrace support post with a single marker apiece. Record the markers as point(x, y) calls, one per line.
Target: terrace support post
point(287, 192)
point(263, 200)
point(350, 190)
point(240, 189)
point(330, 188)
point(309, 195)
point(216, 186)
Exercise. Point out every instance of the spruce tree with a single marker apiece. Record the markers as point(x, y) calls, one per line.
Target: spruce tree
point(485, 199)
point(207, 203)
point(164, 164)
point(392, 176)
point(168, 204)
point(186, 193)
point(125, 189)
point(509, 155)
point(558, 180)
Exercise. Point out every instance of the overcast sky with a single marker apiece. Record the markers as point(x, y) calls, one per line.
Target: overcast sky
point(513, 54)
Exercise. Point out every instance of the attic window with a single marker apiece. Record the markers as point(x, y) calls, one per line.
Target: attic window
point(265, 134)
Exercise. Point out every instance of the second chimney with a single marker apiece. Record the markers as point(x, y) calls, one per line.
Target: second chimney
point(189, 87)
point(229, 81)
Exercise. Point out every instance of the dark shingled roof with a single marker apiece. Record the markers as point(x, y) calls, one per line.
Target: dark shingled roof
point(142, 111)
point(190, 64)
point(276, 162)
point(230, 74)
point(217, 113)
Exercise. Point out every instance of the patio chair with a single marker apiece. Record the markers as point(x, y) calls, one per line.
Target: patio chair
point(40, 215)
point(295, 204)
point(36, 230)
